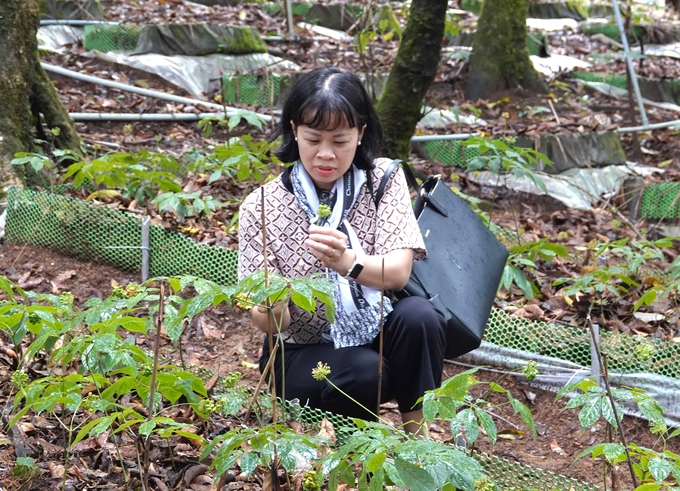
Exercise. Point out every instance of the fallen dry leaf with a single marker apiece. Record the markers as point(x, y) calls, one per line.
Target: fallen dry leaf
point(57, 283)
point(56, 470)
point(327, 431)
point(510, 434)
point(193, 472)
point(554, 446)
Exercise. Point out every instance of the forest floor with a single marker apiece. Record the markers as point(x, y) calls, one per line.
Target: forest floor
point(225, 341)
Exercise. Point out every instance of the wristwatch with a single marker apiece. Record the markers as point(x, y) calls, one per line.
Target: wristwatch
point(355, 269)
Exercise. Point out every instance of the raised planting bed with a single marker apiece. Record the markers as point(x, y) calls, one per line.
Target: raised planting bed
point(657, 90)
point(174, 39)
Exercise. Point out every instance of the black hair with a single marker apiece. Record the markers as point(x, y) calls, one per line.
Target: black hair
point(324, 99)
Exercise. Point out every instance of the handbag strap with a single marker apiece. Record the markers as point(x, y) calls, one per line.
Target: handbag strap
point(410, 178)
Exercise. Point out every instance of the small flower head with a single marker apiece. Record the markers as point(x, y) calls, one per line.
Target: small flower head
point(67, 298)
point(19, 379)
point(658, 427)
point(644, 351)
point(321, 372)
point(529, 370)
point(243, 301)
point(322, 214)
point(231, 380)
point(312, 481)
point(484, 483)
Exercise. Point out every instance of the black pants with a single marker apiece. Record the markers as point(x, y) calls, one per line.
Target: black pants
point(413, 359)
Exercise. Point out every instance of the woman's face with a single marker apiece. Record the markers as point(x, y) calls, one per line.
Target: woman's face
point(326, 155)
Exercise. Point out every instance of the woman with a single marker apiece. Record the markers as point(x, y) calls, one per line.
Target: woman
point(331, 132)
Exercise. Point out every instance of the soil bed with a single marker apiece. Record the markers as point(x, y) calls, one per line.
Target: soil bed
point(225, 341)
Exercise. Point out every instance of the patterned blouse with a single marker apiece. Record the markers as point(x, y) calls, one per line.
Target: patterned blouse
point(392, 227)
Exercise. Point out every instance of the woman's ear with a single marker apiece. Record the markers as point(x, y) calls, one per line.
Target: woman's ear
point(292, 125)
point(361, 132)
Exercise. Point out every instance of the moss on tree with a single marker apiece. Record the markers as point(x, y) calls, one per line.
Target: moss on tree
point(28, 97)
point(500, 59)
point(413, 71)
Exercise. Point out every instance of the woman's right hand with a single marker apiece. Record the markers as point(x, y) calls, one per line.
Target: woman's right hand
point(272, 319)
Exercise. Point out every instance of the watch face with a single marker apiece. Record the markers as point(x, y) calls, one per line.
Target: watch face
point(356, 271)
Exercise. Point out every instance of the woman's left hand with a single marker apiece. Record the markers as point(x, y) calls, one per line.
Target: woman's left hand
point(330, 247)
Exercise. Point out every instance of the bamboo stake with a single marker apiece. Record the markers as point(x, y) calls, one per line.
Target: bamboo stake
point(270, 335)
point(610, 396)
point(152, 392)
point(381, 343)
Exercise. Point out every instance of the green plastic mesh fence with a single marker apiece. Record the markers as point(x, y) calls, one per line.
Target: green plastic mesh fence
point(611, 30)
point(275, 8)
point(661, 201)
point(111, 37)
point(251, 89)
point(449, 152)
point(573, 344)
point(507, 475)
point(615, 80)
point(98, 233)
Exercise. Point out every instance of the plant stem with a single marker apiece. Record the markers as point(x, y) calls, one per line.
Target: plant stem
point(152, 391)
point(270, 362)
point(381, 343)
point(605, 378)
point(270, 335)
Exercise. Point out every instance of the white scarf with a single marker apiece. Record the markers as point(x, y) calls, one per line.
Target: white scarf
point(357, 319)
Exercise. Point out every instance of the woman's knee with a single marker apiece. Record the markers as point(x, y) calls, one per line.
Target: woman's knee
point(418, 315)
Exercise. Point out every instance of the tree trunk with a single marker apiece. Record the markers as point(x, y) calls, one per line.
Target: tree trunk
point(413, 71)
point(500, 59)
point(26, 92)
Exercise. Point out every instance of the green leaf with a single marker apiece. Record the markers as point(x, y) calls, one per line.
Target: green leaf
point(346, 473)
point(429, 407)
point(376, 461)
point(147, 427)
point(649, 487)
point(590, 413)
point(613, 451)
point(659, 469)
point(377, 480)
point(304, 302)
point(415, 478)
point(249, 463)
point(488, 424)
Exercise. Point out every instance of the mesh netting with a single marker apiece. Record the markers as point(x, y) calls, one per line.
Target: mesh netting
point(573, 344)
point(449, 152)
point(250, 89)
point(98, 233)
point(661, 201)
point(507, 475)
point(111, 37)
point(615, 80)
point(612, 30)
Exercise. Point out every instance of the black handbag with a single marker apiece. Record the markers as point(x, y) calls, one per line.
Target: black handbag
point(465, 261)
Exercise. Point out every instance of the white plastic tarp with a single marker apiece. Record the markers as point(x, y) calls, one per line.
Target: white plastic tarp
point(552, 25)
point(557, 63)
point(553, 374)
point(619, 93)
point(441, 118)
point(670, 50)
point(54, 38)
point(199, 75)
point(576, 188)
